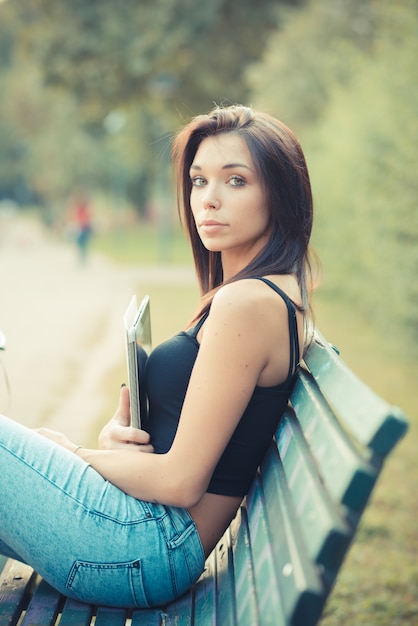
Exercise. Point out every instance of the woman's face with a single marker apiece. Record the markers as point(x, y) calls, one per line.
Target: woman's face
point(228, 200)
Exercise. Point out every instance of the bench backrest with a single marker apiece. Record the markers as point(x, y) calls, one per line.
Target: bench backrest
point(279, 559)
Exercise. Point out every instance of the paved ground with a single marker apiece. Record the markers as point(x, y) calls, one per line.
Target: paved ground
point(63, 324)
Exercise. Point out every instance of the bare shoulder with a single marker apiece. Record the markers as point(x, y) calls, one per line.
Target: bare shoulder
point(250, 292)
point(252, 311)
point(243, 297)
point(252, 302)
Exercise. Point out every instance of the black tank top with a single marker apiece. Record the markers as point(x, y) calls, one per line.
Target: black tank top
point(166, 378)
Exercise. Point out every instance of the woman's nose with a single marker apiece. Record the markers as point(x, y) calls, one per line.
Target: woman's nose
point(210, 199)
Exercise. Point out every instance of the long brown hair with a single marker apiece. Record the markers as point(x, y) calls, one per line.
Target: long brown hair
point(281, 165)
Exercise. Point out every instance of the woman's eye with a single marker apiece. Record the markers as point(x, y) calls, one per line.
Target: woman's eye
point(198, 181)
point(236, 181)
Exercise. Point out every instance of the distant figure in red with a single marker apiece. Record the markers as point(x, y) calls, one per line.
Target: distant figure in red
point(83, 223)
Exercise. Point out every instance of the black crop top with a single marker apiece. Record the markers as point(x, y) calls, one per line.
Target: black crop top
point(166, 378)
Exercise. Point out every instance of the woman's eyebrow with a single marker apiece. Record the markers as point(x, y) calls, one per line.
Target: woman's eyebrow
point(227, 166)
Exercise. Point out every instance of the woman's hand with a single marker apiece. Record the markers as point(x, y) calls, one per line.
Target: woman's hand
point(59, 438)
point(118, 434)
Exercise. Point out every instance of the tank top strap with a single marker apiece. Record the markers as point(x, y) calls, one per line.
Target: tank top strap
point(195, 329)
point(293, 325)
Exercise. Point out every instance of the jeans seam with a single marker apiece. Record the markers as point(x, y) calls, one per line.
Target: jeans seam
point(42, 475)
point(77, 501)
point(161, 524)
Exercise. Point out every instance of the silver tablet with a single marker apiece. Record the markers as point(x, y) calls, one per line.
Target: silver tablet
point(138, 346)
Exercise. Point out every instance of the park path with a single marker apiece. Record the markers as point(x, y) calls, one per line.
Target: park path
point(64, 330)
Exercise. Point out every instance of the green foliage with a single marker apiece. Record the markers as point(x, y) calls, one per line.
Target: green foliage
point(151, 63)
point(305, 57)
point(49, 160)
point(361, 148)
point(170, 51)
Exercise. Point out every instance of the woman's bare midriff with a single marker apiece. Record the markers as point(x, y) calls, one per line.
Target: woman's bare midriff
point(212, 516)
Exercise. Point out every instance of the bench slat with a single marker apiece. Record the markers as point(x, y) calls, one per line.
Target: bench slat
point(149, 618)
point(347, 473)
point(3, 561)
point(179, 613)
point(225, 583)
point(300, 587)
point(16, 583)
point(205, 594)
point(325, 532)
point(373, 422)
point(110, 617)
point(76, 614)
point(245, 597)
point(44, 606)
point(268, 602)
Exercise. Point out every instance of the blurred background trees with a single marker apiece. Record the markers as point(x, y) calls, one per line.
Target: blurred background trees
point(119, 77)
point(91, 92)
point(346, 79)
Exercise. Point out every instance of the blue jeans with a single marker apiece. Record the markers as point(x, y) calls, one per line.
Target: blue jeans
point(86, 537)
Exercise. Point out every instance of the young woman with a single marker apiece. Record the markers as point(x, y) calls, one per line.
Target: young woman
point(130, 525)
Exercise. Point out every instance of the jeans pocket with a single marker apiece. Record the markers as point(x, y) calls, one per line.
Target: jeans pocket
point(111, 584)
point(187, 557)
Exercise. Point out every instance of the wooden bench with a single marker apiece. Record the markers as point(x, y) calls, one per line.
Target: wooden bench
point(278, 561)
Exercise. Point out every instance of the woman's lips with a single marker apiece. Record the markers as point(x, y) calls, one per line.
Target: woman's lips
point(210, 226)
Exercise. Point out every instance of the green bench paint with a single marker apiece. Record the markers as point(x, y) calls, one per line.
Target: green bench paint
point(278, 560)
